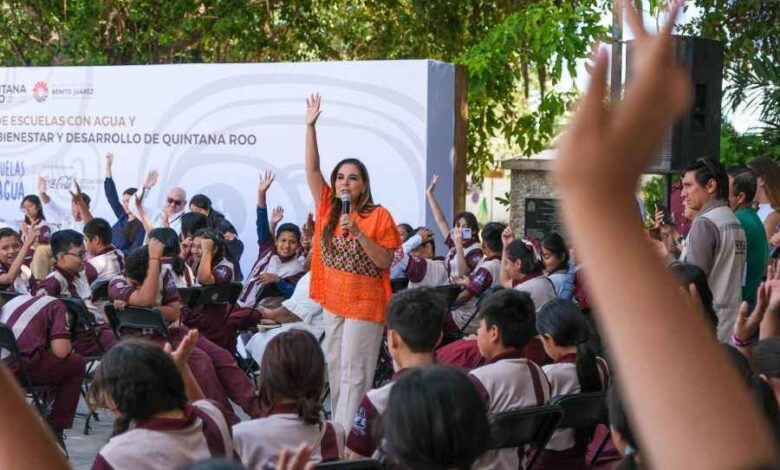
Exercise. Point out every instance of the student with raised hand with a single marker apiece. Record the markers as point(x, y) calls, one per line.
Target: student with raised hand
point(291, 385)
point(350, 267)
point(434, 420)
point(277, 266)
point(128, 232)
point(575, 369)
point(14, 275)
point(414, 318)
point(421, 266)
point(465, 251)
point(172, 264)
point(163, 421)
point(682, 421)
point(64, 218)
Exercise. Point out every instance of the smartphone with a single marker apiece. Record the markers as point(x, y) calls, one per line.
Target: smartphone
point(466, 233)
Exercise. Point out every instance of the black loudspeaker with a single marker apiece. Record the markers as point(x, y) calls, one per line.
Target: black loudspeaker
point(697, 134)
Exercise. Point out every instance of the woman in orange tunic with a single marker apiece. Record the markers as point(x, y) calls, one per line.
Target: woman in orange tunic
point(350, 272)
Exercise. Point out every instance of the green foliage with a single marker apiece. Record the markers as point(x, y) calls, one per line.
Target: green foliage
point(653, 193)
point(505, 200)
point(506, 45)
point(544, 36)
point(738, 149)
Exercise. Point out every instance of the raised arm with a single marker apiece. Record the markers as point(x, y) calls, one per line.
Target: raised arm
point(180, 357)
point(25, 442)
point(148, 183)
point(146, 296)
point(205, 273)
point(30, 234)
point(263, 229)
point(507, 237)
point(313, 173)
point(110, 188)
point(682, 421)
point(81, 204)
point(438, 215)
point(142, 215)
point(277, 215)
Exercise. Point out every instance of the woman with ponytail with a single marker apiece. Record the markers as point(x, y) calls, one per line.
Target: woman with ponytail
point(575, 369)
point(162, 420)
point(291, 385)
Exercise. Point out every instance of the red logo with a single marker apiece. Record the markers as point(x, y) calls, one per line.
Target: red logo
point(40, 91)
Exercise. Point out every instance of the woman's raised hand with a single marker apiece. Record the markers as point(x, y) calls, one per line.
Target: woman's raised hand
point(313, 110)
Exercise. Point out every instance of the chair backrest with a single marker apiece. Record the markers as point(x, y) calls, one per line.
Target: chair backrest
point(362, 464)
point(100, 291)
point(140, 318)
point(397, 285)
point(517, 428)
point(189, 295)
point(486, 294)
point(226, 294)
point(7, 296)
point(582, 410)
point(450, 293)
point(8, 340)
point(79, 310)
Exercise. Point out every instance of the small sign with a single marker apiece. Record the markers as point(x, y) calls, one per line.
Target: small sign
point(541, 217)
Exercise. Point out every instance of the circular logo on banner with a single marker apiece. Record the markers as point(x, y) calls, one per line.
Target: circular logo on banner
point(40, 91)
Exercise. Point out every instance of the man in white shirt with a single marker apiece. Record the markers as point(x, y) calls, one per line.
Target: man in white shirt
point(174, 207)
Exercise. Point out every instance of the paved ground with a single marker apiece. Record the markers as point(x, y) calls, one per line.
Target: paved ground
point(82, 449)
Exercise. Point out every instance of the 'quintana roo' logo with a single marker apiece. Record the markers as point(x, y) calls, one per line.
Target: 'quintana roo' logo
point(40, 91)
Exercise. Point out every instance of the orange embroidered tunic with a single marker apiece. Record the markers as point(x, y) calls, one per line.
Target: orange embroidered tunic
point(344, 280)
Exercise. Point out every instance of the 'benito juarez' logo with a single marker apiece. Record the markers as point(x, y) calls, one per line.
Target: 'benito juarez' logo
point(40, 91)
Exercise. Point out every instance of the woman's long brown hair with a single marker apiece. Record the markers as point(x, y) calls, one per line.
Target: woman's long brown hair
point(364, 205)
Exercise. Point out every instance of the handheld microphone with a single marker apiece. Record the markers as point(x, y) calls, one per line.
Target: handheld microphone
point(345, 200)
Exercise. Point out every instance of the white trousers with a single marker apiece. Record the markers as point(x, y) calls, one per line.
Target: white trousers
point(351, 349)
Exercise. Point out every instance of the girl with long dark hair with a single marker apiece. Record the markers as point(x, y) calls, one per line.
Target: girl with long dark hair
point(352, 254)
point(575, 369)
point(34, 218)
point(128, 232)
point(234, 247)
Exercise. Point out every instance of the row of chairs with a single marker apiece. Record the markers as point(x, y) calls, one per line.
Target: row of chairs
point(528, 426)
point(536, 425)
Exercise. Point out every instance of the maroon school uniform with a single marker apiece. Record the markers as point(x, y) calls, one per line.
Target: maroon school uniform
point(567, 447)
point(508, 382)
point(60, 283)
point(487, 274)
point(464, 353)
point(36, 321)
point(170, 443)
point(209, 319)
point(44, 237)
point(424, 272)
point(213, 367)
point(362, 439)
point(260, 441)
point(107, 264)
point(20, 285)
point(472, 252)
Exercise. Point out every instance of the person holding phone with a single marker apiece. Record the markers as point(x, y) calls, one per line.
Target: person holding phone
point(465, 251)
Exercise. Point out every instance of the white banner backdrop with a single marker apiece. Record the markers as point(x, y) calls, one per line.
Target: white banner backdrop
point(212, 128)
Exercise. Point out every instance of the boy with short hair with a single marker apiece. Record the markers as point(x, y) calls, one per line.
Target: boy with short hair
point(72, 277)
point(40, 325)
point(414, 318)
point(486, 274)
point(507, 322)
point(104, 257)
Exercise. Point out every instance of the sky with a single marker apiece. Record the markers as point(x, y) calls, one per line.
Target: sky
point(741, 119)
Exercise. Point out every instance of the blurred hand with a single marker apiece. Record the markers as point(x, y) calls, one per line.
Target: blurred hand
point(313, 111)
